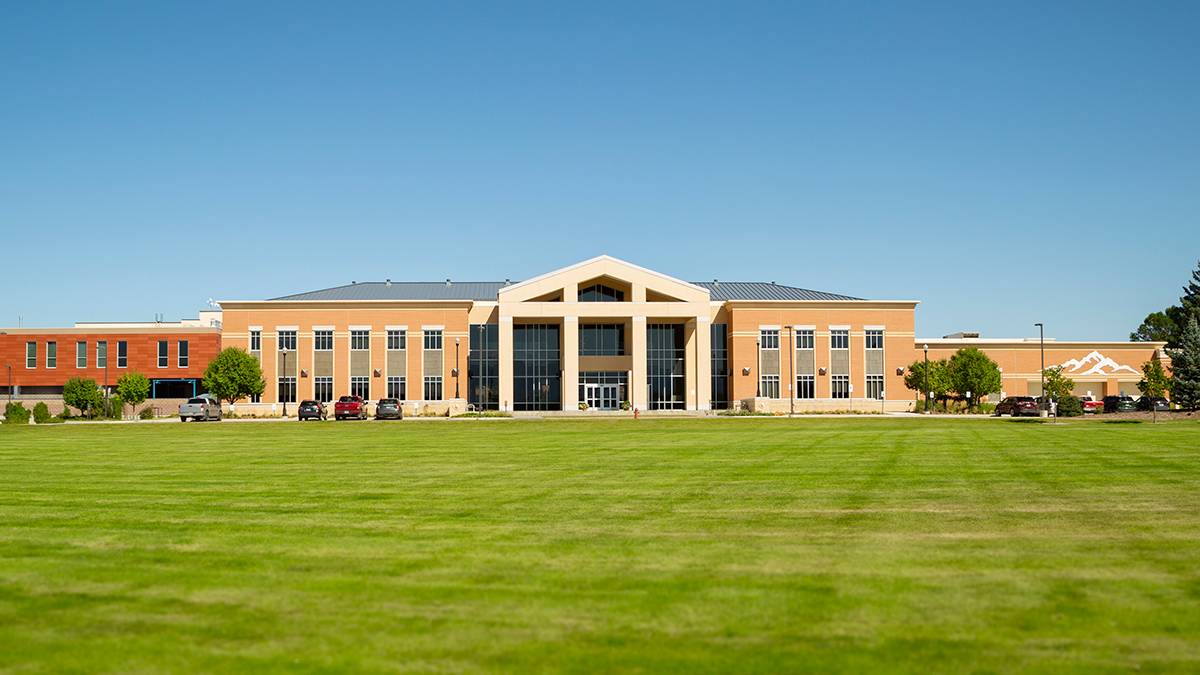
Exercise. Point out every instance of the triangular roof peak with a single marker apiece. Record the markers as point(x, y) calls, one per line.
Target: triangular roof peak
point(602, 265)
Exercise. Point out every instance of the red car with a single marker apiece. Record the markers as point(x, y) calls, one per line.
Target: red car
point(1090, 405)
point(1016, 406)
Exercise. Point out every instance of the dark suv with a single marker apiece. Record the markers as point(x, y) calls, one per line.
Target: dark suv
point(1153, 403)
point(1017, 406)
point(312, 410)
point(1119, 404)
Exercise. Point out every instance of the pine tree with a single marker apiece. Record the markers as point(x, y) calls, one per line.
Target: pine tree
point(1190, 302)
point(1185, 367)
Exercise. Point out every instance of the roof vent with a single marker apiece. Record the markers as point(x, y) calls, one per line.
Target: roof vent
point(772, 283)
point(716, 283)
point(507, 282)
point(388, 282)
point(962, 336)
point(353, 282)
point(447, 283)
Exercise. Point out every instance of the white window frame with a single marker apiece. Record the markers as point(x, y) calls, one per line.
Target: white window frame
point(102, 353)
point(80, 354)
point(319, 337)
point(397, 341)
point(30, 355)
point(51, 358)
point(164, 353)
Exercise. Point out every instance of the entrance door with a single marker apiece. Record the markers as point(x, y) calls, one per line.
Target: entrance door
point(601, 396)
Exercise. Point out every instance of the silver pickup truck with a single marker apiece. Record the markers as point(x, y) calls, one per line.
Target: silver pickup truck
point(204, 407)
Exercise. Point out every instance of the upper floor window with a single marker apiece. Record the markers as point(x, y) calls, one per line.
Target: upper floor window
point(163, 361)
point(81, 354)
point(396, 340)
point(360, 340)
point(122, 354)
point(874, 339)
point(323, 340)
point(51, 354)
point(601, 293)
point(839, 339)
point(31, 355)
point(183, 353)
point(433, 342)
point(769, 339)
point(102, 354)
point(804, 338)
point(256, 340)
point(287, 340)
point(602, 339)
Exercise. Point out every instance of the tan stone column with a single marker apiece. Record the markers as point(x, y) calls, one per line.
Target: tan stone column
point(703, 363)
point(506, 362)
point(637, 386)
point(570, 383)
point(689, 365)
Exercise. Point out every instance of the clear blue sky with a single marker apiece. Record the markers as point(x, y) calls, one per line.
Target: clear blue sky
point(1004, 163)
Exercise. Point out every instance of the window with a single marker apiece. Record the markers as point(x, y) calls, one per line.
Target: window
point(839, 386)
point(768, 386)
point(601, 293)
point(323, 340)
point(256, 340)
point(804, 386)
point(323, 389)
point(360, 385)
point(536, 367)
point(287, 340)
point(433, 388)
point(162, 354)
point(719, 366)
point(874, 339)
point(122, 354)
point(287, 390)
point(804, 338)
point(874, 387)
point(665, 352)
point(839, 339)
point(51, 354)
point(602, 339)
point(183, 353)
point(396, 340)
point(433, 340)
point(31, 355)
point(769, 339)
point(395, 387)
point(360, 340)
point(102, 354)
point(483, 366)
point(81, 354)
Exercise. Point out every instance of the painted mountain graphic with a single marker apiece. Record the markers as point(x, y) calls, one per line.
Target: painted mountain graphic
point(1098, 363)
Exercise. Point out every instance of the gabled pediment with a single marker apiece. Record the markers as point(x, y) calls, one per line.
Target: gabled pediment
point(635, 283)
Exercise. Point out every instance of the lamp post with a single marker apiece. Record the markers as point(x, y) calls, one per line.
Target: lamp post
point(456, 368)
point(758, 347)
point(283, 390)
point(1042, 342)
point(926, 379)
point(792, 362)
point(9, 383)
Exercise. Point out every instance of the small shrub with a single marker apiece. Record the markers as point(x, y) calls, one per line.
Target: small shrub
point(63, 416)
point(116, 405)
point(15, 413)
point(1069, 406)
point(147, 413)
point(583, 406)
point(41, 413)
point(626, 405)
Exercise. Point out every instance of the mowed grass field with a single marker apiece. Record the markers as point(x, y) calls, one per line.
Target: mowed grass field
point(608, 546)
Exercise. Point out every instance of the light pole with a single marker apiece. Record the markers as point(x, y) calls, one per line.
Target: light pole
point(792, 361)
point(456, 368)
point(1042, 342)
point(926, 379)
point(9, 383)
point(284, 388)
point(758, 346)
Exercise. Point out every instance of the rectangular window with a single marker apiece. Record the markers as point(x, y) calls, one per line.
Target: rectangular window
point(665, 366)
point(839, 339)
point(360, 385)
point(769, 339)
point(839, 386)
point(81, 354)
point(287, 390)
point(323, 340)
point(719, 366)
point(360, 340)
point(287, 340)
point(602, 339)
point(122, 354)
point(323, 389)
point(51, 354)
point(769, 386)
point(396, 341)
point(31, 355)
point(483, 366)
point(183, 353)
point(804, 386)
point(875, 387)
point(396, 388)
point(162, 354)
point(102, 354)
point(804, 338)
point(536, 366)
point(256, 341)
point(874, 339)
point(433, 340)
point(433, 388)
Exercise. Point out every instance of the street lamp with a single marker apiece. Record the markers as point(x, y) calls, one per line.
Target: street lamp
point(456, 368)
point(283, 389)
point(926, 379)
point(758, 346)
point(1042, 342)
point(9, 383)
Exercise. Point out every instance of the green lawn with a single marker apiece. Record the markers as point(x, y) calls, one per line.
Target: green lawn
point(688, 546)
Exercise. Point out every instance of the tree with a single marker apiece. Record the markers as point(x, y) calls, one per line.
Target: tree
point(1155, 382)
point(1189, 304)
point(82, 394)
point(1057, 386)
point(1159, 327)
point(939, 379)
point(234, 375)
point(133, 388)
point(972, 371)
point(1185, 367)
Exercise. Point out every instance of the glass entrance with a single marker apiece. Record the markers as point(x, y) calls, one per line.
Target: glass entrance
point(601, 396)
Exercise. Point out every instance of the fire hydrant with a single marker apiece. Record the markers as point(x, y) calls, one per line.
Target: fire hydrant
point(635, 413)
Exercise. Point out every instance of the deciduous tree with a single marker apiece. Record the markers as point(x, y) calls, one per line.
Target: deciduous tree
point(938, 382)
point(83, 394)
point(972, 371)
point(234, 375)
point(1155, 381)
point(133, 388)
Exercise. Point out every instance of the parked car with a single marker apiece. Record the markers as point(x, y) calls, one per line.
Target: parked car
point(389, 409)
point(203, 407)
point(1017, 406)
point(350, 406)
point(312, 410)
point(1153, 403)
point(1090, 405)
point(1119, 404)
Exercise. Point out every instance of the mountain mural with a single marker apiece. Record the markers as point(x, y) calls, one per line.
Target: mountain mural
point(1098, 363)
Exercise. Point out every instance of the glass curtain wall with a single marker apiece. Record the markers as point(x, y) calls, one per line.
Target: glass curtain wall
point(537, 367)
point(483, 366)
point(665, 348)
point(720, 366)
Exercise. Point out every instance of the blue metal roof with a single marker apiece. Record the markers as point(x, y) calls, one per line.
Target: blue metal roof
point(761, 290)
point(489, 291)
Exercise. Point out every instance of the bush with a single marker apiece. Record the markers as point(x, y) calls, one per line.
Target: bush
point(41, 413)
point(116, 405)
point(63, 416)
point(147, 413)
point(1069, 406)
point(15, 413)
